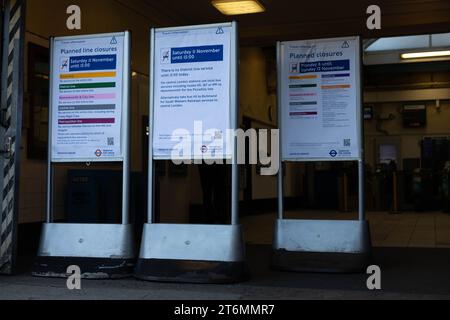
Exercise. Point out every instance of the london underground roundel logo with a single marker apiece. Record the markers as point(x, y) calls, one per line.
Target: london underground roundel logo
point(333, 153)
point(98, 153)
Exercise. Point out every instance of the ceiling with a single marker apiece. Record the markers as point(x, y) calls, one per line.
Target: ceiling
point(301, 19)
point(277, 11)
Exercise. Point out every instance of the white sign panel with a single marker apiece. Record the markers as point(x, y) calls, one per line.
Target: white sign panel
point(87, 98)
point(192, 92)
point(320, 100)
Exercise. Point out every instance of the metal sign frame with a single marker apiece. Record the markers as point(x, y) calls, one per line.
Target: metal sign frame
point(359, 128)
point(125, 126)
point(359, 125)
point(234, 84)
point(193, 252)
point(102, 251)
point(233, 112)
point(125, 97)
point(317, 245)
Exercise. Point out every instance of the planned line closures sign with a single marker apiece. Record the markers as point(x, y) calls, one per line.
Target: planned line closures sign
point(192, 82)
point(320, 100)
point(87, 98)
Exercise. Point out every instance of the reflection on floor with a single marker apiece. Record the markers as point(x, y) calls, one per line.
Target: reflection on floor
point(406, 229)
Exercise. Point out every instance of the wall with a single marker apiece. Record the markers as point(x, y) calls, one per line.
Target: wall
point(258, 101)
point(438, 124)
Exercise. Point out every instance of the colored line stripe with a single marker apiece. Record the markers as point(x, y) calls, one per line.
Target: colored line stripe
point(303, 113)
point(86, 121)
point(310, 76)
point(87, 75)
point(87, 85)
point(294, 86)
point(338, 75)
point(342, 86)
point(88, 107)
point(303, 94)
point(100, 96)
point(309, 103)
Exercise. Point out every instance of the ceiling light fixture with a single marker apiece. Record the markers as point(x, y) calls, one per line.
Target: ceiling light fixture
point(236, 7)
point(429, 54)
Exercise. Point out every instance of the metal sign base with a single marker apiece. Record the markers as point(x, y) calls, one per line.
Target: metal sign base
point(192, 254)
point(321, 246)
point(102, 251)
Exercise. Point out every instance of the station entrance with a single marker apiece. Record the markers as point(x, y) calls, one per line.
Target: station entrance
point(406, 110)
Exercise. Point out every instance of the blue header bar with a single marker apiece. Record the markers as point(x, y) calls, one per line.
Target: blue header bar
point(93, 63)
point(325, 66)
point(197, 54)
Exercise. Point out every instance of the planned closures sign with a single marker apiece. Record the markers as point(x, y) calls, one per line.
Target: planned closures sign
point(192, 92)
point(87, 98)
point(320, 100)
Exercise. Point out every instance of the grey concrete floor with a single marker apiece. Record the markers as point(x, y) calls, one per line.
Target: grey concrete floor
point(406, 274)
point(412, 250)
point(28, 288)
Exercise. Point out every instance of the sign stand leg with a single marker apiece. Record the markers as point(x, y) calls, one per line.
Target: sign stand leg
point(361, 191)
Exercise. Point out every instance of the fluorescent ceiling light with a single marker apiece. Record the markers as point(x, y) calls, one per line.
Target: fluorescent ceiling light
point(235, 7)
point(429, 54)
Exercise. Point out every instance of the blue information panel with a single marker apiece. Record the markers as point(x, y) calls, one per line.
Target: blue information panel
point(325, 66)
point(197, 54)
point(192, 93)
point(92, 63)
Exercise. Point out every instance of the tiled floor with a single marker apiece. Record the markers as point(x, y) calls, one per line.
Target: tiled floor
point(406, 229)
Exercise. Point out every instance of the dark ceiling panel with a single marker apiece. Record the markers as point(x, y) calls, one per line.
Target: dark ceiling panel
point(286, 20)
